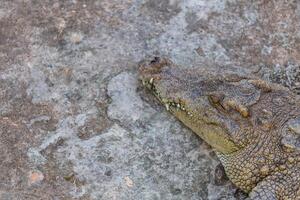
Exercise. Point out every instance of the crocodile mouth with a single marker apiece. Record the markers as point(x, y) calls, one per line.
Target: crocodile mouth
point(205, 124)
point(187, 96)
point(167, 102)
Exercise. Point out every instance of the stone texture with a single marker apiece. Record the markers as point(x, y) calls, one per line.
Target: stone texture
point(73, 118)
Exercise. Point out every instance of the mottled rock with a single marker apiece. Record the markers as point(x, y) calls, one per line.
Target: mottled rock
point(72, 109)
point(126, 105)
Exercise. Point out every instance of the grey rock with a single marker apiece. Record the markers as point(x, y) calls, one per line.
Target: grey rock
point(72, 109)
point(126, 105)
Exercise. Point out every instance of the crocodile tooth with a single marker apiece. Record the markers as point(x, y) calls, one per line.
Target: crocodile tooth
point(190, 114)
point(167, 106)
point(151, 81)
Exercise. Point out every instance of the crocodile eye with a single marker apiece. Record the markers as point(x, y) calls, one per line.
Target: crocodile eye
point(246, 89)
point(151, 81)
point(244, 93)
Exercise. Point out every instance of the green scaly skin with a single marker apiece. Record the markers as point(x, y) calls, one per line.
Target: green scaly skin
point(253, 125)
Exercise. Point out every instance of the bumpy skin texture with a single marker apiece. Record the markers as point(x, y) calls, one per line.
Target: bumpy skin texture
point(253, 125)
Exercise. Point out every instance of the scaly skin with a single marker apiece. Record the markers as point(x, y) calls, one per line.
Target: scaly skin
point(254, 126)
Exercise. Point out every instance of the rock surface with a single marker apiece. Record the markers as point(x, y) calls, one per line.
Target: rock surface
point(75, 124)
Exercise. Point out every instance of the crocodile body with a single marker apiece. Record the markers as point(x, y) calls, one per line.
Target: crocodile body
point(253, 125)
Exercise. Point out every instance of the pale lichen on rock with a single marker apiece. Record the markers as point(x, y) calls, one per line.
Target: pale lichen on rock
point(68, 81)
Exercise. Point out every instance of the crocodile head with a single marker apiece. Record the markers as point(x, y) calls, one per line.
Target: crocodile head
point(253, 125)
point(213, 105)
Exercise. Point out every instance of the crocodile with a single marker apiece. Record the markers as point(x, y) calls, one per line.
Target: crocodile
point(253, 125)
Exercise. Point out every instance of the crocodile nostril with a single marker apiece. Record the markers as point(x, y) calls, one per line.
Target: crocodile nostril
point(155, 60)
